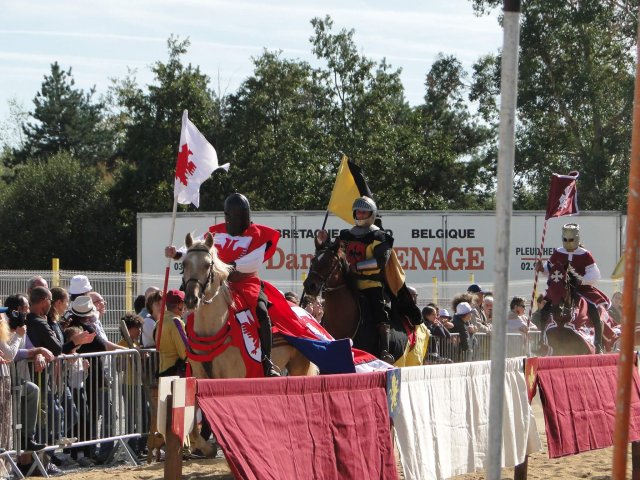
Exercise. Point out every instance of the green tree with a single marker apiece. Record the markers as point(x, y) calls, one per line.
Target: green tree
point(575, 96)
point(65, 119)
point(152, 122)
point(58, 207)
point(149, 121)
point(449, 167)
point(275, 138)
point(366, 116)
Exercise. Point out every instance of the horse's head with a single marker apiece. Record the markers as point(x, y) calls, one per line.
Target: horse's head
point(203, 272)
point(326, 267)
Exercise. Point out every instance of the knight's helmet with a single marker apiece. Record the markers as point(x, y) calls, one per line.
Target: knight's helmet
point(237, 214)
point(365, 204)
point(571, 236)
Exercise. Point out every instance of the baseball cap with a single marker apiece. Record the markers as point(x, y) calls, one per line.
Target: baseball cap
point(175, 296)
point(463, 308)
point(475, 288)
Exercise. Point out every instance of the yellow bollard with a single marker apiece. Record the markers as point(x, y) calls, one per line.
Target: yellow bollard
point(472, 278)
point(434, 293)
point(55, 272)
point(128, 297)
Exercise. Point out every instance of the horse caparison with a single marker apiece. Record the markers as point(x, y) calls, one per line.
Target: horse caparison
point(565, 318)
point(208, 295)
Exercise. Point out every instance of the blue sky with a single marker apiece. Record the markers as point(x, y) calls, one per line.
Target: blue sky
point(100, 40)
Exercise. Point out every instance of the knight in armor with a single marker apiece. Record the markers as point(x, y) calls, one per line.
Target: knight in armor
point(244, 245)
point(574, 254)
point(368, 249)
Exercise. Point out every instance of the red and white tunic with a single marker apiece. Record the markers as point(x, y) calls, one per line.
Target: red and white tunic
point(584, 264)
point(248, 251)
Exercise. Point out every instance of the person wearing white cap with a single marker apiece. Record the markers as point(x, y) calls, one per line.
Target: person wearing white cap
point(83, 313)
point(79, 285)
point(461, 321)
point(445, 318)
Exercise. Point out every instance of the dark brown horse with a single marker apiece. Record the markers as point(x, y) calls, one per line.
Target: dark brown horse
point(568, 328)
point(343, 311)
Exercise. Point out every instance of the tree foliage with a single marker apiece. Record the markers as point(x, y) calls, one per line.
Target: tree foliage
point(274, 136)
point(66, 119)
point(58, 208)
point(575, 94)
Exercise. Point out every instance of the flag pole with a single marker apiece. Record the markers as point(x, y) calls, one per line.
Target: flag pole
point(504, 210)
point(324, 224)
point(535, 277)
point(626, 362)
point(166, 274)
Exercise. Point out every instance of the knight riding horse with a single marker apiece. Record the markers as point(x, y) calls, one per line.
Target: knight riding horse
point(569, 329)
point(245, 246)
point(368, 249)
point(573, 254)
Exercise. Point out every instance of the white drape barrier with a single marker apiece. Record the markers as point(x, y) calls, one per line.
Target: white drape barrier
point(442, 424)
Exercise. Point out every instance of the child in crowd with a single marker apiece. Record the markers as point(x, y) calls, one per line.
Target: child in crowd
point(438, 334)
point(461, 326)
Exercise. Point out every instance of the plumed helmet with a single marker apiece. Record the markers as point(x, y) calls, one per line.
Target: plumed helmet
point(237, 214)
point(571, 236)
point(365, 204)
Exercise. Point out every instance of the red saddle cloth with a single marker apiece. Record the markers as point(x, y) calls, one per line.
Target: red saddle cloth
point(578, 396)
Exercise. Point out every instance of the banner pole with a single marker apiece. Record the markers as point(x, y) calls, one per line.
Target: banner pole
point(324, 224)
point(166, 274)
point(627, 359)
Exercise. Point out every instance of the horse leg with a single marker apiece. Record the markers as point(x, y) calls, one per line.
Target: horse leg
point(286, 356)
point(197, 370)
point(200, 443)
point(299, 365)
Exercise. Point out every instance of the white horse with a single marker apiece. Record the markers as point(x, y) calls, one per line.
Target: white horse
point(208, 295)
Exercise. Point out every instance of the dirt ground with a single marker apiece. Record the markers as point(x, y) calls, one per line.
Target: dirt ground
point(592, 465)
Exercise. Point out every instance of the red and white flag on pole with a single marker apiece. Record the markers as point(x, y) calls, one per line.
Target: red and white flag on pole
point(197, 160)
point(563, 195)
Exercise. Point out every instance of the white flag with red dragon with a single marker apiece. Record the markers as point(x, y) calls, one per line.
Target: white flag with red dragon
point(197, 159)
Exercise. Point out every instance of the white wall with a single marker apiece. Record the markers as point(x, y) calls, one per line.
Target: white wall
point(446, 245)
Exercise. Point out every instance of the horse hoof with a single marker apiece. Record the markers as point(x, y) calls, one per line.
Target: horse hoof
point(206, 448)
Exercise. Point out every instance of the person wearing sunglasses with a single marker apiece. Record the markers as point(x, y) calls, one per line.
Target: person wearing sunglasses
point(573, 253)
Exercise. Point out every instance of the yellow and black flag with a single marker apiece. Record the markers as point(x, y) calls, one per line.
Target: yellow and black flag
point(350, 184)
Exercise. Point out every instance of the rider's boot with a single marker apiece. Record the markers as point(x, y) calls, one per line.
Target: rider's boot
point(384, 331)
point(594, 315)
point(266, 340)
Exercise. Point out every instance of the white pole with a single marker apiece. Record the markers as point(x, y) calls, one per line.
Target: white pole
point(508, 99)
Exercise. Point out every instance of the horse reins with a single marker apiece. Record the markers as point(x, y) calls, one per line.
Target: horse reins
point(210, 277)
point(324, 280)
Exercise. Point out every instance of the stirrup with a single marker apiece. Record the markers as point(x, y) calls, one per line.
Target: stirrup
point(270, 370)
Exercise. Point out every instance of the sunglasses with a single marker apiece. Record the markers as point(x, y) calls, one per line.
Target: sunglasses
point(568, 239)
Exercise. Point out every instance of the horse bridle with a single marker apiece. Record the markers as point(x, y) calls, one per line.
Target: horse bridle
point(209, 280)
point(323, 280)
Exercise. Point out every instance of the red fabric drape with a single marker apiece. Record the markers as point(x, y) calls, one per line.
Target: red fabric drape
point(325, 427)
point(578, 397)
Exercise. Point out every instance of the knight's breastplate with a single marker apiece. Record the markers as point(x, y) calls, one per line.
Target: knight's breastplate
point(357, 251)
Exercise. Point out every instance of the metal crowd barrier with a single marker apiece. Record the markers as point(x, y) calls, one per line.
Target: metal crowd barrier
point(480, 347)
point(87, 405)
